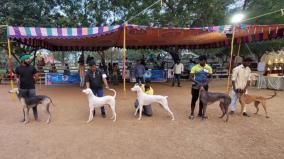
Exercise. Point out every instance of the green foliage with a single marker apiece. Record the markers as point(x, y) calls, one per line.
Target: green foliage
point(181, 13)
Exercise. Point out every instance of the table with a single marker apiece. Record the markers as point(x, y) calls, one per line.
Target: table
point(276, 83)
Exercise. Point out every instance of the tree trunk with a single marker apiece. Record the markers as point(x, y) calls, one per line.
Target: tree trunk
point(174, 51)
point(245, 4)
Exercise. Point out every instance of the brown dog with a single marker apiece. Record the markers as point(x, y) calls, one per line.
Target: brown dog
point(247, 99)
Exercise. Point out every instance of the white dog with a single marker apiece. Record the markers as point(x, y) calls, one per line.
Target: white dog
point(95, 101)
point(145, 99)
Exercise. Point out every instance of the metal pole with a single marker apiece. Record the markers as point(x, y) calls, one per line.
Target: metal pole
point(124, 57)
point(10, 65)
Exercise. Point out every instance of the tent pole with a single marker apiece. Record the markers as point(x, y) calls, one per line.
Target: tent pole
point(231, 58)
point(10, 64)
point(124, 57)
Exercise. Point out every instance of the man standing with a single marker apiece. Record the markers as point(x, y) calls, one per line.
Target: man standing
point(95, 79)
point(200, 74)
point(81, 63)
point(240, 82)
point(139, 71)
point(178, 69)
point(25, 76)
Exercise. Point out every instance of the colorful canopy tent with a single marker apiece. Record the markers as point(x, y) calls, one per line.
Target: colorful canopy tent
point(136, 37)
point(101, 38)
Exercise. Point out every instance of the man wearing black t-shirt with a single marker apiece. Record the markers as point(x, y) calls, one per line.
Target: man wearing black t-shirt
point(95, 79)
point(26, 75)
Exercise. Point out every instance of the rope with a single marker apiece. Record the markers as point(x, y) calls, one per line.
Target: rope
point(143, 11)
point(262, 15)
point(249, 49)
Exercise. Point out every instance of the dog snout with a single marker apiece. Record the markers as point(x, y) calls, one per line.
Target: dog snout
point(133, 89)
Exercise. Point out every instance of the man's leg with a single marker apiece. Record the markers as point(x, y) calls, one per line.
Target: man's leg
point(194, 94)
point(115, 79)
point(173, 83)
point(147, 110)
point(82, 81)
point(142, 80)
point(23, 93)
point(137, 80)
point(100, 93)
point(234, 98)
point(33, 93)
point(178, 80)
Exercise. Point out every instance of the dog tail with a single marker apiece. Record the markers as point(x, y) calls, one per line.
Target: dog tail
point(272, 95)
point(113, 91)
point(51, 101)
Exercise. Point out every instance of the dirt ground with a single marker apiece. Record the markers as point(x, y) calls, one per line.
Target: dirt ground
point(68, 136)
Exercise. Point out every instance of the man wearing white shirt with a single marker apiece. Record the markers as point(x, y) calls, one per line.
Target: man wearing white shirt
point(178, 69)
point(240, 82)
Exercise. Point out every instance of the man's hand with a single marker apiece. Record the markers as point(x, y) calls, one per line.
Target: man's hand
point(107, 87)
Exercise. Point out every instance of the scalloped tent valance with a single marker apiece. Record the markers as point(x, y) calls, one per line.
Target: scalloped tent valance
point(101, 38)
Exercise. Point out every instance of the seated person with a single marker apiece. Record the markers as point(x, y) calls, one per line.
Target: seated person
point(52, 68)
point(67, 69)
point(147, 109)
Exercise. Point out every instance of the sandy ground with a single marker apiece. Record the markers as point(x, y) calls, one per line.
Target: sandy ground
point(68, 136)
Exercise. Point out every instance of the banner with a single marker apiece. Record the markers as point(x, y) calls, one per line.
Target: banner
point(153, 75)
point(61, 79)
point(156, 75)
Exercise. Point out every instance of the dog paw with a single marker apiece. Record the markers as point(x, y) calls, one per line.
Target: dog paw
point(88, 122)
point(26, 122)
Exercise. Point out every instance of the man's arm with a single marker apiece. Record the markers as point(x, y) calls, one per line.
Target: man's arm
point(88, 84)
point(210, 72)
point(87, 80)
point(105, 81)
point(35, 74)
point(248, 83)
point(234, 86)
point(191, 78)
point(17, 76)
point(234, 78)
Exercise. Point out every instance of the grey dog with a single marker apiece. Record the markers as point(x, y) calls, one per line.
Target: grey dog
point(34, 101)
point(208, 98)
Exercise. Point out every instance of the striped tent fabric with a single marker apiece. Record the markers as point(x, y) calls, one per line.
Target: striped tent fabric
point(141, 37)
point(37, 32)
